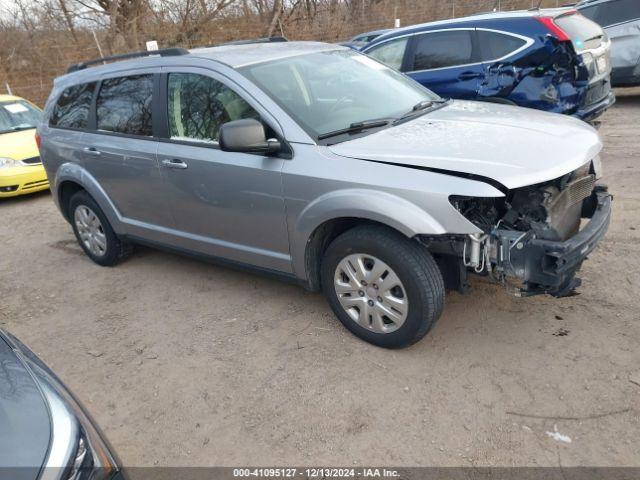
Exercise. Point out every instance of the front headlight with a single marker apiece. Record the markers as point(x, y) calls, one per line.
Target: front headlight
point(483, 212)
point(8, 162)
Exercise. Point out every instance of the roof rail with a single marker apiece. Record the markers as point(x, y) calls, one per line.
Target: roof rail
point(165, 52)
point(255, 40)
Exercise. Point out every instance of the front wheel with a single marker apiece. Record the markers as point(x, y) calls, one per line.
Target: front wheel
point(382, 286)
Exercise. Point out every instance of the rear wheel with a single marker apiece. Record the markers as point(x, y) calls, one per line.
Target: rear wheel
point(382, 286)
point(94, 233)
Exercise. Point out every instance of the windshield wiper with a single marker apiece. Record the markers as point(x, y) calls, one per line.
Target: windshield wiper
point(419, 108)
point(422, 105)
point(355, 127)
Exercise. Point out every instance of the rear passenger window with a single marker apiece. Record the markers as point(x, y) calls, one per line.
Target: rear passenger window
point(390, 53)
point(198, 105)
point(124, 105)
point(443, 49)
point(495, 45)
point(72, 108)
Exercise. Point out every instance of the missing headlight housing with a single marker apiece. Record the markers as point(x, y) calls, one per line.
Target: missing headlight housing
point(483, 212)
point(551, 210)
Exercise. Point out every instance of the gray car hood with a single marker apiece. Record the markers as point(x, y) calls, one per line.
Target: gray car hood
point(511, 145)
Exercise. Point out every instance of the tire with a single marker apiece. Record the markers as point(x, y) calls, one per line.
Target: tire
point(418, 294)
point(109, 249)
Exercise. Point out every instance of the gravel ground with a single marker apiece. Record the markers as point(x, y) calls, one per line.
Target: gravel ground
point(187, 363)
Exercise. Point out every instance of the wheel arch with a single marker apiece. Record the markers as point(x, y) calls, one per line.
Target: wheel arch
point(66, 190)
point(72, 178)
point(330, 215)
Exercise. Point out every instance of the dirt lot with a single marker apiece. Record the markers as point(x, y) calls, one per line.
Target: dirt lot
point(186, 363)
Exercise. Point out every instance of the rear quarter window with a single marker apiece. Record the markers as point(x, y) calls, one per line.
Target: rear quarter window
point(124, 105)
point(72, 107)
point(494, 45)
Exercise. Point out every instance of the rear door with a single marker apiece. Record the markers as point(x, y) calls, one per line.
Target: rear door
point(498, 50)
point(446, 61)
point(225, 204)
point(120, 151)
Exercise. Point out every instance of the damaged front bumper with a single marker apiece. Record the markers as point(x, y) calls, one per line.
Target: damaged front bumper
point(545, 266)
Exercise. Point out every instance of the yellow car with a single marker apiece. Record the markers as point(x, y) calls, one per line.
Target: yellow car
point(21, 170)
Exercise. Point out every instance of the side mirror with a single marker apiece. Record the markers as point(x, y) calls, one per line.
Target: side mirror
point(248, 136)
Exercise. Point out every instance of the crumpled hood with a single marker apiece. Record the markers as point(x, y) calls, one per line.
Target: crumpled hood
point(511, 145)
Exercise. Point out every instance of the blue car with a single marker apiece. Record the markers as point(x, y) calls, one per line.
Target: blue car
point(553, 59)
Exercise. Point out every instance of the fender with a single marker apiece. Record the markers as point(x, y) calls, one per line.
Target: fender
point(377, 206)
point(75, 173)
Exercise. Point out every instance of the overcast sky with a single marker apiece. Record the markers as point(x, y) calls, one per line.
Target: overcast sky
point(4, 6)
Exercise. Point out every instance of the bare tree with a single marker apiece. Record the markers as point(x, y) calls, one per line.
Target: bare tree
point(275, 17)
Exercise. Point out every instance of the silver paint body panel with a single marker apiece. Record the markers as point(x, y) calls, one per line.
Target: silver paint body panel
point(263, 210)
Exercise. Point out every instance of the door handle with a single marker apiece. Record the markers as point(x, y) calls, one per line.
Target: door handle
point(174, 163)
point(469, 75)
point(92, 151)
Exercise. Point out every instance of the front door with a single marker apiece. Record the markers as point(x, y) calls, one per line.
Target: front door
point(224, 204)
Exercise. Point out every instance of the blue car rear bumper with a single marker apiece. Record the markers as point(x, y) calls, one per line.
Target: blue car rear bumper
point(594, 110)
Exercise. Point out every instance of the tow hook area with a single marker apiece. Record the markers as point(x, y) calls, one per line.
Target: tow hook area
point(515, 257)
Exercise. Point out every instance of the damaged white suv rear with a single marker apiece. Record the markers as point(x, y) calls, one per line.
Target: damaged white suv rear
point(318, 163)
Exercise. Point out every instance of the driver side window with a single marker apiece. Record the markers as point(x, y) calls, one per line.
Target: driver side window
point(199, 105)
point(390, 53)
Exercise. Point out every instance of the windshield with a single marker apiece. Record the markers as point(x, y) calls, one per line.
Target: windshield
point(18, 115)
point(329, 91)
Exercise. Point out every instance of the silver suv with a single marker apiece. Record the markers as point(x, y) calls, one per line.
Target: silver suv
point(321, 164)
